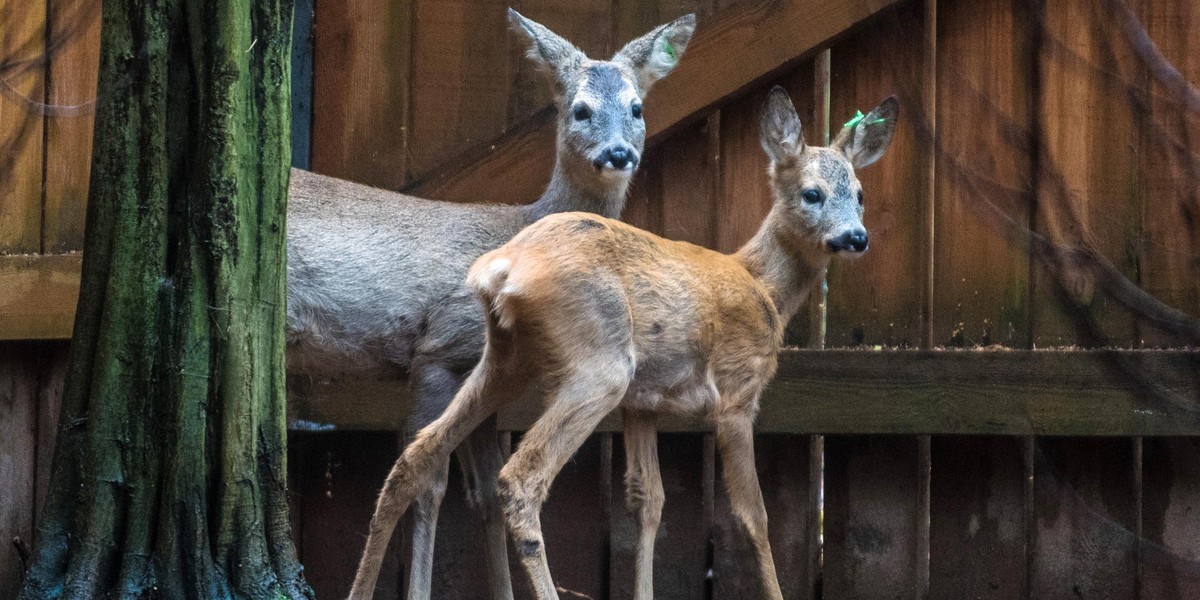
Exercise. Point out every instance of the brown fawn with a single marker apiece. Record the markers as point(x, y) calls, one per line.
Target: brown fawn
point(596, 314)
point(376, 279)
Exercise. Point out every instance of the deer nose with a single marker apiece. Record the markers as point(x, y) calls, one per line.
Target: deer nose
point(619, 157)
point(852, 241)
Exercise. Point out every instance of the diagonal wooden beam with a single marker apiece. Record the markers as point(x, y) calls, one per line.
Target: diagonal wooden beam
point(731, 50)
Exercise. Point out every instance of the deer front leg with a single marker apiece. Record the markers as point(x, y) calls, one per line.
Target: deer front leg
point(481, 461)
point(643, 494)
point(735, 438)
point(573, 412)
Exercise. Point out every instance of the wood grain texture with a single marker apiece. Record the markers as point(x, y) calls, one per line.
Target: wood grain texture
point(872, 517)
point(737, 47)
point(1088, 185)
point(1169, 254)
point(981, 270)
point(71, 88)
point(362, 81)
point(1170, 546)
point(689, 180)
point(1085, 540)
point(52, 374)
point(681, 548)
point(901, 392)
point(977, 528)
point(38, 294)
point(876, 300)
point(22, 68)
point(18, 457)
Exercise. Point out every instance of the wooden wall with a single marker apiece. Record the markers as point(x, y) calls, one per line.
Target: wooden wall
point(1022, 122)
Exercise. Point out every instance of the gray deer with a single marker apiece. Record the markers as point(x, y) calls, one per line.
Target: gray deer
point(376, 279)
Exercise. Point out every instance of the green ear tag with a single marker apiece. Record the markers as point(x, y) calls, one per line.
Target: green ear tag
point(858, 117)
point(670, 50)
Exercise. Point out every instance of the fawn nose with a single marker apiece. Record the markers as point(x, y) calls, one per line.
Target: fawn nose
point(617, 157)
point(851, 241)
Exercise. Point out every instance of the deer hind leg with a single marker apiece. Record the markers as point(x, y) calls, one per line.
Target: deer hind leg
point(481, 460)
point(494, 382)
point(433, 387)
point(643, 494)
point(575, 408)
point(735, 438)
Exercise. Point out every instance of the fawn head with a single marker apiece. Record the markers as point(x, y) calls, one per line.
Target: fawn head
point(600, 126)
point(815, 187)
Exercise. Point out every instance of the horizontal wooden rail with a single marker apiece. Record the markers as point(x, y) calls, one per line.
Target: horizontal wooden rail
point(1041, 392)
point(37, 296)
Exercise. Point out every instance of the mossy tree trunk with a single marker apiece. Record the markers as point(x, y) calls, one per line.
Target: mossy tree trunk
point(169, 476)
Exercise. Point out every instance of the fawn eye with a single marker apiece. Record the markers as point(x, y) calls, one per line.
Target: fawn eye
point(860, 197)
point(582, 112)
point(813, 196)
point(636, 111)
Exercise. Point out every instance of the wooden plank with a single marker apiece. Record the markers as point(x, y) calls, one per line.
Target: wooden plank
point(38, 294)
point(900, 392)
point(459, 58)
point(734, 49)
point(981, 277)
point(22, 67)
point(977, 518)
point(362, 80)
point(1169, 253)
point(342, 474)
point(460, 561)
point(690, 171)
point(876, 300)
point(680, 551)
point(1085, 542)
point(75, 29)
point(1088, 186)
point(18, 454)
point(785, 472)
point(302, 83)
point(52, 376)
point(872, 517)
point(1170, 542)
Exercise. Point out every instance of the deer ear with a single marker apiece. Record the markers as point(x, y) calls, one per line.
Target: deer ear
point(864, 139)
point(655, 54)
point(547, 49)
point(780, 132)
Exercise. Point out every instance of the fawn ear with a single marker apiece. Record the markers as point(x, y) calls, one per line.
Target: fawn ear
point(779, 127)
point(864, 138)
point(547, 49)
point(655, 54)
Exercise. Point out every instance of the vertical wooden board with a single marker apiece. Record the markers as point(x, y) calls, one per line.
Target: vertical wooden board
point(872, 517)
point(783, 463)
point(981, 270)
point(18, 453)
point(876, 300)
point(977, 514)
point(22, 46)
point(689, 178)
point(1088, 180)
point(74, 64)
point(460, 79)
point(744, 196)
point(584, 23)
point(1170, 248)
point(643, 206)
point(52, 374)
point(460, 560)
point(342, 475)
point(681, 548)
point(1170, 546)
point(1085, 540)
point(362, 79)
point(302, 83)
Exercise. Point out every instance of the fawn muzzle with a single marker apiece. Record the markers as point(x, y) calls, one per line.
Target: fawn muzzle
point(854, 241)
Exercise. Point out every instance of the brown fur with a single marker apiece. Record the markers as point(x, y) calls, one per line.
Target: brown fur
point(598, 314)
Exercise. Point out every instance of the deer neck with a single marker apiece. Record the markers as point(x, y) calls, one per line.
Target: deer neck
point(782, 263)
point(576, 186)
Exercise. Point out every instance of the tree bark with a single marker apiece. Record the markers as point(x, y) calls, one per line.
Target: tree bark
point(169, 477)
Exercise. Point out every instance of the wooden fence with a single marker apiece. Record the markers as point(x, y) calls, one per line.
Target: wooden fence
point(893, 467)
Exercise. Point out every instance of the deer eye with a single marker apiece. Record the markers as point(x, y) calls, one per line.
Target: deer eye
point(582, 112)
point(860, 197)
point(813, 196)
point(636, 111)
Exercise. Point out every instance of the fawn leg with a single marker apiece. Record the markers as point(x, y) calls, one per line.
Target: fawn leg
point(433, 387)
point(643, 494)
point(481, 461)
point(490, 385)
point(735, 438)
point(574, 410)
